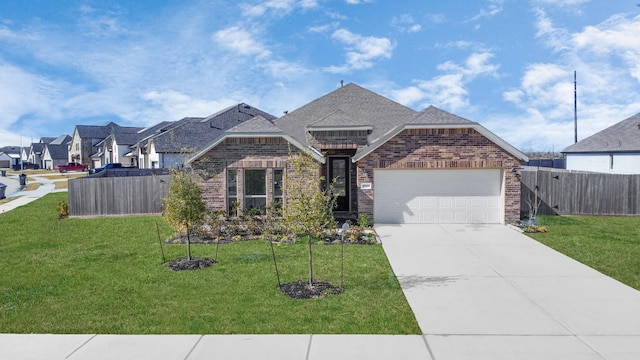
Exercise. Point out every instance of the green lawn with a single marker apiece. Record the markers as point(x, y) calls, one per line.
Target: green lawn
point(610, 245)
point(105, 276)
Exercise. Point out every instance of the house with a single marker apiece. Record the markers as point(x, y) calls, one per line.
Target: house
point(35, 152)
point(173, 143)
point(389, 161)
point(6, 160)
point(88, 145)
point(9, 156)
point(56, 152)
point(614, 150)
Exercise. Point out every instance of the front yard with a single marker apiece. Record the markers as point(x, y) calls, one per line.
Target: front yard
point(105, 276)
point(610, 245)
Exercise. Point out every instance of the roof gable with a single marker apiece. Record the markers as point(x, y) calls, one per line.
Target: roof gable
point(257, 125)
point(348, 105)
point(61, 140)
point(58, 152)
point(621, 137)
point(434, 116)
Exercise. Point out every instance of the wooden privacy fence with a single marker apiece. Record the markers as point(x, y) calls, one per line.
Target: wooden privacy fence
point(568, 192)
point(117, 196)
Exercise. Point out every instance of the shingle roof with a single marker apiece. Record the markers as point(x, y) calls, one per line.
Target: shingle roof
point(101, 132)
point(257, 124)
point(194, 133)
point(434, 116)
point(37, 147)
point(61, 140)
point(350, 105)
point(58, 151)
point(621, 137)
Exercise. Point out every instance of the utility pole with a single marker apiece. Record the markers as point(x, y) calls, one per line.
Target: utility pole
point(575, 107)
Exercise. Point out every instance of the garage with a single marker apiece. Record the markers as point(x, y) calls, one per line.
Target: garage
point(438, 196)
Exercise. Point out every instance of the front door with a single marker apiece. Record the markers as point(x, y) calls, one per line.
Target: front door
point(339, 171)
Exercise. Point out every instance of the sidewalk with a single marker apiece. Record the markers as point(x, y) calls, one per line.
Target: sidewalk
point(201, 347)
point(22, 197)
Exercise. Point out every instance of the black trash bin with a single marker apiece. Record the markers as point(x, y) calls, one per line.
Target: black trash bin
point(3, 187)
point(23, 179)
point(4, 173)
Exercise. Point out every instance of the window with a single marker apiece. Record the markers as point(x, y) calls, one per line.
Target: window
point(277, 186)
point(232, 190)
point(255, 189)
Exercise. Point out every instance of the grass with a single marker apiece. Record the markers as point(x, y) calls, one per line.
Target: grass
point(59, 185)
point(104, 275)
point(610, 245)
point(58, 176)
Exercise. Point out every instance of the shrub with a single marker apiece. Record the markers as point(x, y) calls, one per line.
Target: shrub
point(364, 220)
point(63, 209)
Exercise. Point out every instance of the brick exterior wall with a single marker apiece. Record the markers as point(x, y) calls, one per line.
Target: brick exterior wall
point(440, 149)
point(239, 154)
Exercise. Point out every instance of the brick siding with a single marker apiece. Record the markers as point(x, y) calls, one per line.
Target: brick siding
point(240, 153)
point(440, 149)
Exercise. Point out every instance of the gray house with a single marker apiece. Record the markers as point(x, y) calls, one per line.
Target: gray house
point(614, 150)
point(174, 142)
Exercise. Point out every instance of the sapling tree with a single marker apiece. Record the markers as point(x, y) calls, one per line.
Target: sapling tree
point(184, 206)
point(308, 207)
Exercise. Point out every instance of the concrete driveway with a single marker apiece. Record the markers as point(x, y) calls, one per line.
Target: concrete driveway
point(490, 292)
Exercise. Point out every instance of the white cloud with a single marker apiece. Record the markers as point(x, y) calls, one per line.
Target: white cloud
point(240, 41)
point(493, 8)
point(605, 57)
point(449, 90)
point(174, 105)
point(323, 28)
point(361, 50)
point(615, 38)
point(277, 7)
point(562, 3)
point(24, 94)
point(547, 88)
point(405, 23)
point(357, 2)
point(556, 38)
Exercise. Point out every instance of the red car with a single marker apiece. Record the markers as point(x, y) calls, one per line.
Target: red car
point(70, 167)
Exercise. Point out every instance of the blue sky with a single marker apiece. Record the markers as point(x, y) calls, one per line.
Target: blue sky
point(507, 64)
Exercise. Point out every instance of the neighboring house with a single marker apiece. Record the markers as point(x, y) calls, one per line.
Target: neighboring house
point(56, 152)
point(35, 152)
point(174, 143)
point(11, 154)
point(5, 160)
point(389, 161)
point(88, 145)
point(614, 150)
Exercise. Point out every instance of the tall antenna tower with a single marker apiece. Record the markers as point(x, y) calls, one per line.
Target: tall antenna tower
point(575, 107)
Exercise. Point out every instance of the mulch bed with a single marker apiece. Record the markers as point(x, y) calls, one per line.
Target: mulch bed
point(193, 264)
point(301, 289)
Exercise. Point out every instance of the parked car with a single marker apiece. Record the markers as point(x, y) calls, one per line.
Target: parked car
point(112, 166)
point(25, 165)
point(71, 167)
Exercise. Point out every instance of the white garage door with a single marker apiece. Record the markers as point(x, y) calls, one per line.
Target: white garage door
point(437, 196)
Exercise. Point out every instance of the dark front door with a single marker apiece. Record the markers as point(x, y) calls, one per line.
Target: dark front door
point(339, 176)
